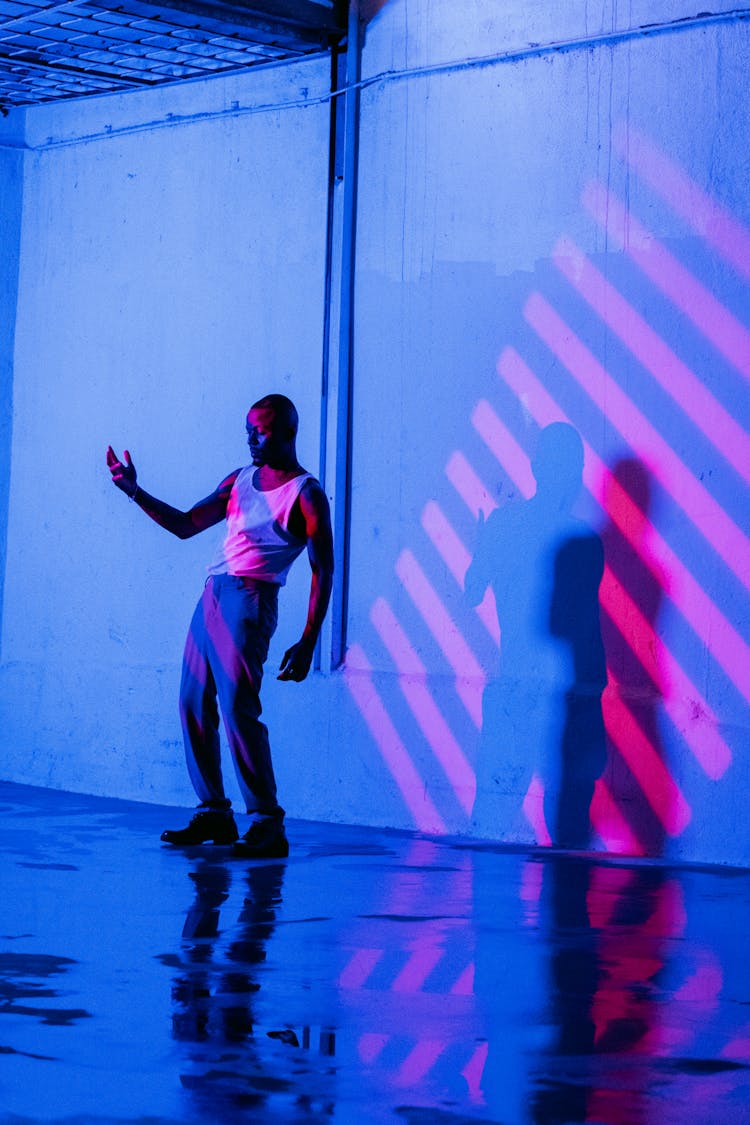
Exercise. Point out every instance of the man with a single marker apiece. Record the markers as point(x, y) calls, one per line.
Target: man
point(273, 509)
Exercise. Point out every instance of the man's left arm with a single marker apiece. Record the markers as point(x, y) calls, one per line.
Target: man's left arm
point(317, 518)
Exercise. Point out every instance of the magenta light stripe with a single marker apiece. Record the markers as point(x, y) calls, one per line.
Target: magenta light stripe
point(674, 376)
point(727, 334)
point(371, 1045)
point(709, 219)
point(739, 1047)
point(470, 677)
point(533, 810)
point(680, 699)
point(395, 755)
point(446, 542)
point(412, 682)
point(464, 983)
point(417, 969)
point(717, 633)
point(654, 779)
point(708, 517)
point(360, 968)
point(468, 485)
point(474, 1070)
point(419, 1062)
point(610, 825)
point(500, 441)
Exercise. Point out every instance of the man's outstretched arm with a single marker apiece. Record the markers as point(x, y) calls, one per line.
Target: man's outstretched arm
point(207, 512)
point(317, 516)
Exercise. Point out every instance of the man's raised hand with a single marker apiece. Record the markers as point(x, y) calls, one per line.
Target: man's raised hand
point(123, 472)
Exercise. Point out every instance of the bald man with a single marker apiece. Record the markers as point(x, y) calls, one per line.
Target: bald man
point(273, 509)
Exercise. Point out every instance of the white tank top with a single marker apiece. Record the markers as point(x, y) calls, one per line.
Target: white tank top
point(257, 543)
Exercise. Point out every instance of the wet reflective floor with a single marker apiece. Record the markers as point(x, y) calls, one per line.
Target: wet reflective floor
point(372, 977)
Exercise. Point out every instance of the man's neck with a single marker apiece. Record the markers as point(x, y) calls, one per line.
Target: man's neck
point(267, 477)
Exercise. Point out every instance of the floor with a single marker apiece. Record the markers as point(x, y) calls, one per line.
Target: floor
point(373, 977)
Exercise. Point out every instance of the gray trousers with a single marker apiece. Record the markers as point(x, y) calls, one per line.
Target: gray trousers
point(224, 654)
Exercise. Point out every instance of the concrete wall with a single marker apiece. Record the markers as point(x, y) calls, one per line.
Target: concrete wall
point(494, 298)
point(555, 233)
point(170, 275)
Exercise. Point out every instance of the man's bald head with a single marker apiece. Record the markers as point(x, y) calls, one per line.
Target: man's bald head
point(284, 411)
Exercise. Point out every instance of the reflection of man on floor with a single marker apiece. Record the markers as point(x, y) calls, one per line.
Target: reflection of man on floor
point(543, 714)
point(274, 509)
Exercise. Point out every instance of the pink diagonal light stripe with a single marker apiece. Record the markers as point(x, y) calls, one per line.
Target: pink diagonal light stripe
point(717, 633)
point(470, 678)
point(610, 825)
point(674, 376)
point(714, 223)
point(708, 517)
point(474, 1070)
point(417, 969)
point(395, 755)
point(419, 1062)
point(468, 485)
point(681, 699)
point(496, 436)
point(452, 551)
point(413, 685)
point(654, 779)
point(371, 1045)
point(727, 334)
point(464, 982)
point(360, 968)
point(533, 810)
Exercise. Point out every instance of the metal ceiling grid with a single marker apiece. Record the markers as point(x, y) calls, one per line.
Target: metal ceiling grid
point(52, 51)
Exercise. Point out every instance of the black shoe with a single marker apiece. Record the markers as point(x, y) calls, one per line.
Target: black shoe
point(264, 839)
point(217, 825)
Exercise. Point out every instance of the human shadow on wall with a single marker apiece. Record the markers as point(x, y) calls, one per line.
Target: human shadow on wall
point(542, 712)
point(632, 596)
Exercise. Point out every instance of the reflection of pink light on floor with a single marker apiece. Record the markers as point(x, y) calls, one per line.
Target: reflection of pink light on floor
point(530, 892)
point(532, 881)
point(657, 784)
point(610, 825)
point(606, 887)
point(371, 1045)
point(498, 438)
point(464, 984)
point(708, 517)
point(455, 556)
point(419, 1062)
point(473, 1072)
point(360, 968)
point(707, 217)
point(417, 969)
point(533, 810)
point(720, 637)
point(470, 677)
point(413, 685)
point(680, 699)
point(674, 376)
point(727, 334)
point(472, 490)
point(407, 888)
point(395, 755)
point(690, 1007)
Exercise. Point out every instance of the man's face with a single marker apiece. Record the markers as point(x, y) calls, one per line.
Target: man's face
point(265, 436)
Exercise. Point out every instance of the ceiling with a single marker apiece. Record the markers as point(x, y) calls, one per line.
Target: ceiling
point(56, 49)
